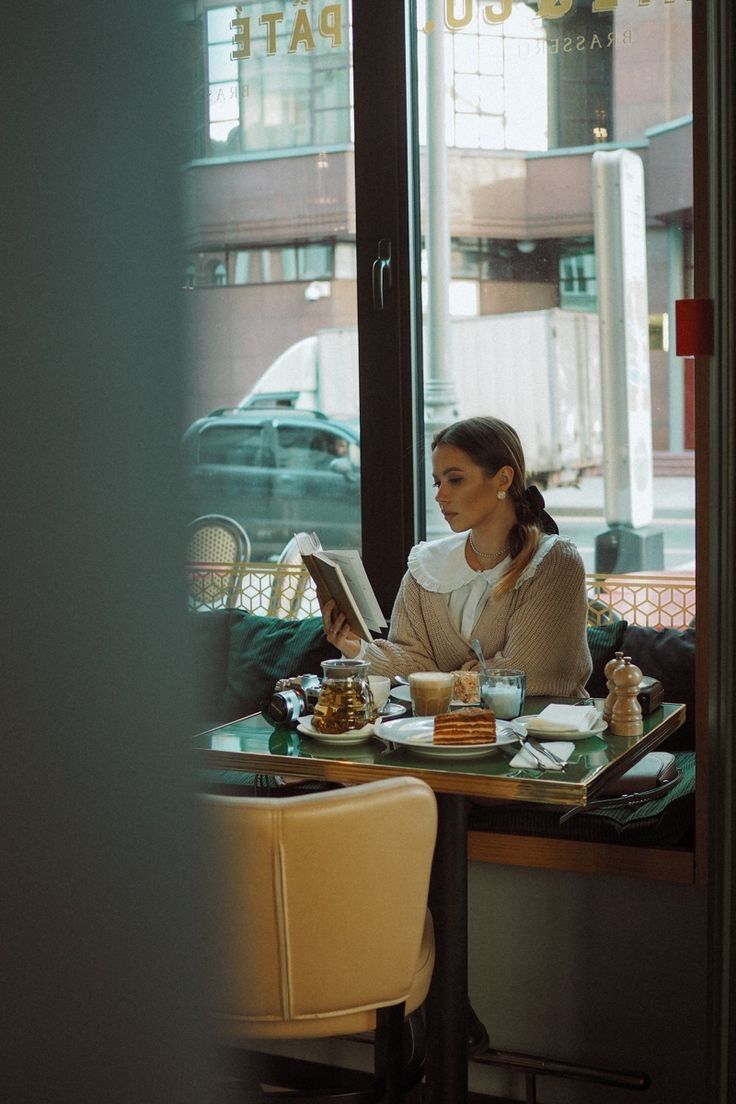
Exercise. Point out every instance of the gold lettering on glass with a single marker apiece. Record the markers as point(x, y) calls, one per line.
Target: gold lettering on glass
point(301, 33)
point(454, 22)
point(241, 40)
point(330, 24)
point(554, 9)
point(269, 20)
point(492, 16)
point(604, 5)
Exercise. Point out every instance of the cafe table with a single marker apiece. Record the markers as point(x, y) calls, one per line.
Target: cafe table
point(255, 744)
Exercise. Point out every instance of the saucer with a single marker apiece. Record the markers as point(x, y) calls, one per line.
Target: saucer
point(344, 739)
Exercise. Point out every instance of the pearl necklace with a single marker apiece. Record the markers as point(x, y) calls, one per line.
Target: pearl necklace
point(487, 555)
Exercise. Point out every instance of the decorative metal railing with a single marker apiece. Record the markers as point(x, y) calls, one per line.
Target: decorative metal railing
point(286, 590)
point(656, 601)
point(275, 590)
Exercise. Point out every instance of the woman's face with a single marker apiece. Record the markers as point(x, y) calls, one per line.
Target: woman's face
point(466, 495)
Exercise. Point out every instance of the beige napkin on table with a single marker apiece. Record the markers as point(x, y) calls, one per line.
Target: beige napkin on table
point(527, 757)
point(564, 718)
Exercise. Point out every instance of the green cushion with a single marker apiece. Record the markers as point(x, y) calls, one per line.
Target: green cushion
point(660, 822)
point(264, 649)
point(603, 640)
point(209, 640)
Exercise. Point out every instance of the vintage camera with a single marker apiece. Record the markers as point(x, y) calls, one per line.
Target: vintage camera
point(294, 698)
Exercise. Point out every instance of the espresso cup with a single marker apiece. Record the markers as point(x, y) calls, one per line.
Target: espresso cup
point(431, 693)
point(380, 688)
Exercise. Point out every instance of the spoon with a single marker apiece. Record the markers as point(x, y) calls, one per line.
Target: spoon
point(475, 645)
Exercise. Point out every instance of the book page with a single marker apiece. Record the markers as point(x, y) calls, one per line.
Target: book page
point(354, 571)
point(330, 579)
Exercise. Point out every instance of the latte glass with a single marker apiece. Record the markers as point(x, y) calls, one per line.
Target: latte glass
point(431, 693)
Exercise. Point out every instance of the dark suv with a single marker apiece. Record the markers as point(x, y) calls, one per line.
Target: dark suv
point(276, 471)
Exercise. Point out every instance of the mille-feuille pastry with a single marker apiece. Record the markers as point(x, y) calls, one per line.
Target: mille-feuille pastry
point(465, 726)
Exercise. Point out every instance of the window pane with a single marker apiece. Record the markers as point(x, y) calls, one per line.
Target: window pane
point(272, 318)
point(230, 445)
point(278, 76)
point(559, 111)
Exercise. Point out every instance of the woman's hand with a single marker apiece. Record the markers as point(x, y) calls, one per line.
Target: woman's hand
point(337, 630)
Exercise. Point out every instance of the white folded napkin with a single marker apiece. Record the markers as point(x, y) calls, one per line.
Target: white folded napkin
point(528, 757)
point(565, 718)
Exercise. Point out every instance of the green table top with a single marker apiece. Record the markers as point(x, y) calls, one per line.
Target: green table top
point(255, 744)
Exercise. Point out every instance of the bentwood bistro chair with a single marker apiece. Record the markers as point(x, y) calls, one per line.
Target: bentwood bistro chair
point(216, 546)
point(320, 920)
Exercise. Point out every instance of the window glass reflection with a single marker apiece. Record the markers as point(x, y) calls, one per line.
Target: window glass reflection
point(536, 107)
point(272, 437)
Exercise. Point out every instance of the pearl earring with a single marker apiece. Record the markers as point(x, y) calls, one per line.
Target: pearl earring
point(501, 495)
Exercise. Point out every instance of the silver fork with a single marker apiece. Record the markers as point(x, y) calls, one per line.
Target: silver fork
point(537, 751)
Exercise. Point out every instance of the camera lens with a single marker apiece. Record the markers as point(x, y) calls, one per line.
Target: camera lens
point(286, 706)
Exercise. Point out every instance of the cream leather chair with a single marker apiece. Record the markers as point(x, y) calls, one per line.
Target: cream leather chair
point(319, 911)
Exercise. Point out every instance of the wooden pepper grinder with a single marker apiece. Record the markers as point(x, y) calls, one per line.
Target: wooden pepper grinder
point(617, 661)
point(626, 717)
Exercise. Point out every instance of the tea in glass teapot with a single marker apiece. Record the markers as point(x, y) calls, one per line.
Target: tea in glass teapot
point(345, 701)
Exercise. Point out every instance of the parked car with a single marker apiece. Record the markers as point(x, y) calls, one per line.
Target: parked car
point(276, 471)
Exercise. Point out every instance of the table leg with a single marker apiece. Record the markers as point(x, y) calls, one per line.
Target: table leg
point(447, 1003)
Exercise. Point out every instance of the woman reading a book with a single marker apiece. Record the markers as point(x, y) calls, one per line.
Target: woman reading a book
point(504, 575)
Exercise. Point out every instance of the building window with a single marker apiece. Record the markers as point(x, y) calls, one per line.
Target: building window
point(219, 274)
point(578, 289)
point(264, 265)
point(275, 99)
point(581, 81)
point(497, 81)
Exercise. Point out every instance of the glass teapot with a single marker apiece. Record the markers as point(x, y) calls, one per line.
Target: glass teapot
point(345, 701)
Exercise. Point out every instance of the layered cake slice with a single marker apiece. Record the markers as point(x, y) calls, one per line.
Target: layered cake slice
point(465, 726)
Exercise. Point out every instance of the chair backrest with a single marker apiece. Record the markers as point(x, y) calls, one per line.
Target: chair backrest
point(319, 901)
point(216, 539)
point(216, 547)
point(293, 595)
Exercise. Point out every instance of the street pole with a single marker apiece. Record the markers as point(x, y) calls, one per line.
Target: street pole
point(440, 396)
point(630, 543)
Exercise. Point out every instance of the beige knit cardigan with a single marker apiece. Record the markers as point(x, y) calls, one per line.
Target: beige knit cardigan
point(538, 626)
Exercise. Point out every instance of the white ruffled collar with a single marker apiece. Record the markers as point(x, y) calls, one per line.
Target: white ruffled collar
point(440, 566)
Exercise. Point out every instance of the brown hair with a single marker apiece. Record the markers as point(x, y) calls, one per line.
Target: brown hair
point(493, 444)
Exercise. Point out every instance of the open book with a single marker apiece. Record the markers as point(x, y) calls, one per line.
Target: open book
point(340, 574)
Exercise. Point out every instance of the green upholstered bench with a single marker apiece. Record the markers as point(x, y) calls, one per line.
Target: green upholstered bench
point(238, 657)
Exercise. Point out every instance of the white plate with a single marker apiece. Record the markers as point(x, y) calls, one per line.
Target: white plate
point(401, 694)
point(345, 739)
point(415, 733)
point(571, 734)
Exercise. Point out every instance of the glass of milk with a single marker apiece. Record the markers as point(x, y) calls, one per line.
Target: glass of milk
point(503, 691)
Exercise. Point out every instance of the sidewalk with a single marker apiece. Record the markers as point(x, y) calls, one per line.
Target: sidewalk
point(674, 497)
